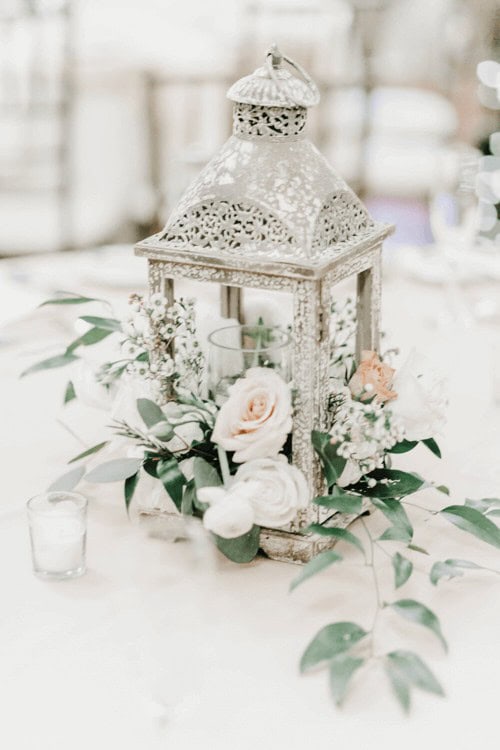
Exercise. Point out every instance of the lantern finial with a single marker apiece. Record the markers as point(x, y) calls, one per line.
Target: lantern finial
point(276, 56)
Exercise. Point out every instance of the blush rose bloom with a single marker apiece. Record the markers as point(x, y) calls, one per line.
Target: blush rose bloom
point(277, 490)
point(255, 420)
point(372, 378)
point(421, 403)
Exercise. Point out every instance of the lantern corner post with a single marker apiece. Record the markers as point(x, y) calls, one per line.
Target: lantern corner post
point(231, 302)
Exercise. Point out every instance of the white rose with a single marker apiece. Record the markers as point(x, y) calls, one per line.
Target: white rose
point(230, 513)
point(421, 401)
point(255, 420)
point(277, 490)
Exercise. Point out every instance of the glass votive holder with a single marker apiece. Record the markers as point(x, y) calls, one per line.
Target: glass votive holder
point(235, 349)
point(58, 529)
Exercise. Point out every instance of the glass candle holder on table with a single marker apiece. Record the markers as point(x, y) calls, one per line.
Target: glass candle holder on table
point(58, 525)
point(235, 349)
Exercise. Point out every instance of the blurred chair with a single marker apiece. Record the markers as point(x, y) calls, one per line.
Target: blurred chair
point(36, 95)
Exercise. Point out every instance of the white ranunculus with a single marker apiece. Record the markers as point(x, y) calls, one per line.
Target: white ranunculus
point(277, 490)
point(350, 474)
point(421, 401)
point(230, 513)
point(89, 390)
point(255, 420)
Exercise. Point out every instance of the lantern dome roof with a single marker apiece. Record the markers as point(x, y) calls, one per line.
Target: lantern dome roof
point(274, 86)
point(268, 196)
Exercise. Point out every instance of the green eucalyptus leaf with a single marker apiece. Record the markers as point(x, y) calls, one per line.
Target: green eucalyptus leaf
point(89, 451)
point(332, 531)
point(484, 504)
point(243, 548)
point(450, 569)
point(129, 488)
point(401, 529)
point(415, 671)
point(172, 478)
point(149, 467)
point(399, 483)
point(333, 464)
point(443, 488)
point(188, 498)
point(68, 481)
point(162, 431)
point(89, 338)
point(342, 668)
point(403, 569)
point(114, 471)
point(60, 360)
point(403, 447)
point(431, 444)
point(472, 520)
point(205, 475)
point(418, 613)
point(344, 502)
point(68, 298)
point(316, 565)
point(69, 393)
point(108, 324)
point(150, 412)
point(329, 642)
point(399, 684)
point(416, 548)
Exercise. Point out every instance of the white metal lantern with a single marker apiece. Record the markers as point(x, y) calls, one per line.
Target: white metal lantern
point(269, 212)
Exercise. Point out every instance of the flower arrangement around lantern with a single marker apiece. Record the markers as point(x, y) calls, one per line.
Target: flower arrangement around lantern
point(230, 463)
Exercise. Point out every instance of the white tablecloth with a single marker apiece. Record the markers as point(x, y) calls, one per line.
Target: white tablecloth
point(85, 662)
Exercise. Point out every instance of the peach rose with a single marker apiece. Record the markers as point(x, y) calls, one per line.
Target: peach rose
point(255, 420)
point(372, 378)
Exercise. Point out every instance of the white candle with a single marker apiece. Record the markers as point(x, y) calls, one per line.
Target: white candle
point(58, 531)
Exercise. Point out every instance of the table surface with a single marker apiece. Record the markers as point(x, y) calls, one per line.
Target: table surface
point(90, 663)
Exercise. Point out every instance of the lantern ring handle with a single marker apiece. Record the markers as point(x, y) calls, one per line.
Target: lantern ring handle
point(274, 59)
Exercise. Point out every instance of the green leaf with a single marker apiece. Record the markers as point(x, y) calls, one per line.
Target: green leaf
point(172, 478)
point(471, 520)
point(107, 324)
point(416, 612)
point(333, 464)
point(129, 488)
point(150, 412)
point(402, 569)
point(344, 502)
point(316, 565)
point(162, 431)
point(242, 549)
point(450, 569)
point(89, 451)
point(188, 498)
point(416, 548)
point(403, 447)
point(484, 504)
point(61, 360)
point(342, 669)
point(413, 671)
point(205, 475)
point(149, 467)
point(400, 483)
point(114, 471)
point(431, 444)
point(69, 299)
point(443, 488)
point(401, 529)
point(69, 393)
point(399, 685)
point(68, 481)
point(329, 642)
point(90, 337)
point(332, 531)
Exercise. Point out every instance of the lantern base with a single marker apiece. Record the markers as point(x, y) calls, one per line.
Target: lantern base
point(291, 547)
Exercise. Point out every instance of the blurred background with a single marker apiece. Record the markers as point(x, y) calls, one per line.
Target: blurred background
point(109, 108)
